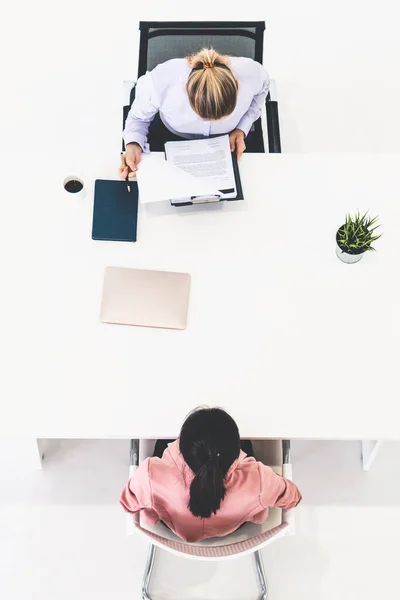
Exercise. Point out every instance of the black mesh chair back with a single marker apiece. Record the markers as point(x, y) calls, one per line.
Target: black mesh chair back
point(161, 41)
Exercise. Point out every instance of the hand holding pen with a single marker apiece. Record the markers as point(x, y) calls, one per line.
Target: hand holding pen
point(124, 171)
point(130, 161)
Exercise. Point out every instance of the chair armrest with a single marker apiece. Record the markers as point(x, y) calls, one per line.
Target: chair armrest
point(126, 92)
point(134, 463)
point(272, 118)
point(273, 131)
point(134, 453)
point(287, 472)
point(128, 98)
point(139, 451)
point(272, 94)
point(286, 452)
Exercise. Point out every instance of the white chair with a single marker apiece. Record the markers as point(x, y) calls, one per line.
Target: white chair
point(249, 539)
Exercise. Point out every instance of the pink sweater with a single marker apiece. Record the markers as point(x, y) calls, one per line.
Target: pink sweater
point(160, 489)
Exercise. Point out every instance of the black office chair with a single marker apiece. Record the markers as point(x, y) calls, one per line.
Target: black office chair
point(161, 41)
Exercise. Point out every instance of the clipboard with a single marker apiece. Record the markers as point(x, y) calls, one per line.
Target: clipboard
point(214, 199)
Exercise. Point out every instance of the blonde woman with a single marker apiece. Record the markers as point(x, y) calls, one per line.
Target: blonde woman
point(199, 96)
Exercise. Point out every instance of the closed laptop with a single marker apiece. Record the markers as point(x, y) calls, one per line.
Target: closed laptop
point(145, 298)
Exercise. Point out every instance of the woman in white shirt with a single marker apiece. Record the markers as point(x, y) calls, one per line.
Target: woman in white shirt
point(200, 96)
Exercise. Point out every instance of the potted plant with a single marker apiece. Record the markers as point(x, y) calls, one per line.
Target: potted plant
point(355, 237)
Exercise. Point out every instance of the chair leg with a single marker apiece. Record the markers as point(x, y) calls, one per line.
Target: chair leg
point(147, 573)
point(150, 564)
point(261, 575)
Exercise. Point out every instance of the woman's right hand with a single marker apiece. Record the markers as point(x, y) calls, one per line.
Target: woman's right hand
point(133, 155)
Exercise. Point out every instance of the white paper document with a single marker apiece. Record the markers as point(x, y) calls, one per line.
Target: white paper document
point(195, 171)
point(160, 180)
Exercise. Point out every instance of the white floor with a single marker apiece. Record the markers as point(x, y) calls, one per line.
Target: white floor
point(62, 530)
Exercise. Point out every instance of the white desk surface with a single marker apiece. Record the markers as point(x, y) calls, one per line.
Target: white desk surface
point(63, 374)
point(290, 340)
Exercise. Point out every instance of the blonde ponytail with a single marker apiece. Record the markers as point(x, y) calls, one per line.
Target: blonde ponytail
point(211, 86)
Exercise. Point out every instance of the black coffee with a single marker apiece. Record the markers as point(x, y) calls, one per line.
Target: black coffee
point(73, 186)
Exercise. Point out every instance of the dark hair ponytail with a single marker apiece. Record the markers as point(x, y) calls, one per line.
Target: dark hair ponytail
point(209, 443)
point(207, 490)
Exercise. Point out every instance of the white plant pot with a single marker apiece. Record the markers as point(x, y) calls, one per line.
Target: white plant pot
point(348, 258)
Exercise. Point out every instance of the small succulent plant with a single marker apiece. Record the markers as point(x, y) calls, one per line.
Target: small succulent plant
point(357, 234)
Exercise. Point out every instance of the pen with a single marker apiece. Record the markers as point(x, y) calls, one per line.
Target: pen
point(123, 165)
point(201, 199)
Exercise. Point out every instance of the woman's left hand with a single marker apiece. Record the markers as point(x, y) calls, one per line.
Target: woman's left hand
point(236, 139)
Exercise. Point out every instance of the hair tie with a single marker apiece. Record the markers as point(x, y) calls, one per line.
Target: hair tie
point(212, 456)
point(208, 65)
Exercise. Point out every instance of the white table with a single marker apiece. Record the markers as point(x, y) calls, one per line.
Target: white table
point(290, 340)
point(62, 373)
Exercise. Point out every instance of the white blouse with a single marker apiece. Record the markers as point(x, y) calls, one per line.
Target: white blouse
point(163, 90)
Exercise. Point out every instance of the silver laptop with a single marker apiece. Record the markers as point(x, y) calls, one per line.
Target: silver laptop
point(145, 298)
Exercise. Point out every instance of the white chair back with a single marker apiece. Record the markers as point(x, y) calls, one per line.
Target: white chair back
point(245, 540)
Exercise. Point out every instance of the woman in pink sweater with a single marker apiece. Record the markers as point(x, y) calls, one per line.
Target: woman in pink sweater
point(204, 485)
